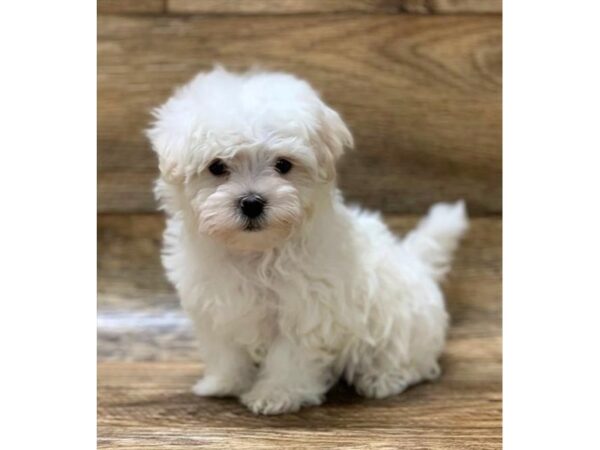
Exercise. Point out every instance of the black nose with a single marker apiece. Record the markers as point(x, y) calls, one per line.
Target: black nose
point(252, 205)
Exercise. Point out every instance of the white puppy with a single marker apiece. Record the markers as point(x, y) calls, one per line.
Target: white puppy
point(289, 288)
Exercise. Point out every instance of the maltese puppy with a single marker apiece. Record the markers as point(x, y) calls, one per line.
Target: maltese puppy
point(290, 289)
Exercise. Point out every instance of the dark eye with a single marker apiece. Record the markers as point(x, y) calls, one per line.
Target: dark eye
point(217, 168)
point(283, 166)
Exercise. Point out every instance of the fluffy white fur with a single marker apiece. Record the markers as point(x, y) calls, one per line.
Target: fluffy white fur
point(322, 290)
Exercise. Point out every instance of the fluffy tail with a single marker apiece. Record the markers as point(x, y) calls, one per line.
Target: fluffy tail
point(436, 237)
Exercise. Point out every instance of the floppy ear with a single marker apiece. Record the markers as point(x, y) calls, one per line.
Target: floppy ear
point(169, 156)
point(335, 137)
point(169, 135)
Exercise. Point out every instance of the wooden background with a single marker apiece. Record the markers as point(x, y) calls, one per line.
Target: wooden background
point(420, 84)
point(421, 93)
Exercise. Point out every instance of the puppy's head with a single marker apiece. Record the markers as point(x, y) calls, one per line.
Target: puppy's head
point(243, 157)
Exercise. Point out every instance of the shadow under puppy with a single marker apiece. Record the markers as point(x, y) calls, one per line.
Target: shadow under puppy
point(290, 289)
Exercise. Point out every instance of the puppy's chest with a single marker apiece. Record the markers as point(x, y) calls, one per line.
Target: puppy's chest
point(255, 303)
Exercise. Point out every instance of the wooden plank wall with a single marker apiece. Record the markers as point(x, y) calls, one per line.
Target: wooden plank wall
point(418, 81)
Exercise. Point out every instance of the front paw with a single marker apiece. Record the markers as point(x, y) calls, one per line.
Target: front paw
point(269, 400)
point(218, 386)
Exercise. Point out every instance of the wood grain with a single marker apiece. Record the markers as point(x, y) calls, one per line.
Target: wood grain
point(144, 405)
point(131, 6)
point(452, 6)
point(422, 95)
point(130, 274)
point(332, 6)
point(149, 404)
point(280, 6)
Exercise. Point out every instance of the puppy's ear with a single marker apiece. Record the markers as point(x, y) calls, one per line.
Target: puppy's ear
point(335, 137)
point(165, 144)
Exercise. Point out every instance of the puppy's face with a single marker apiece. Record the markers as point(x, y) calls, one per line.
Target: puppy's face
point(243, 157)
point(255, 197)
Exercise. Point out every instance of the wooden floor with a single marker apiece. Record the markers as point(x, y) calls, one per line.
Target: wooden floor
point(147, 363)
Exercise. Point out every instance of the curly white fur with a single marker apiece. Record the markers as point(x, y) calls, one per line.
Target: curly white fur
point(321, 290)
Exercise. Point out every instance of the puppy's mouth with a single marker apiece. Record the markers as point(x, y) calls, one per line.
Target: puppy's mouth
point(253, 225)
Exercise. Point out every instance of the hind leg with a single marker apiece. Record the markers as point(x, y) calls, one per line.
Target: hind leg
point(390, 369)
point(381, 380)
point(381, 384)
point(407, 354)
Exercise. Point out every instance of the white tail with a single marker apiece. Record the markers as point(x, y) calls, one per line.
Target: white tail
point(436, 237)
